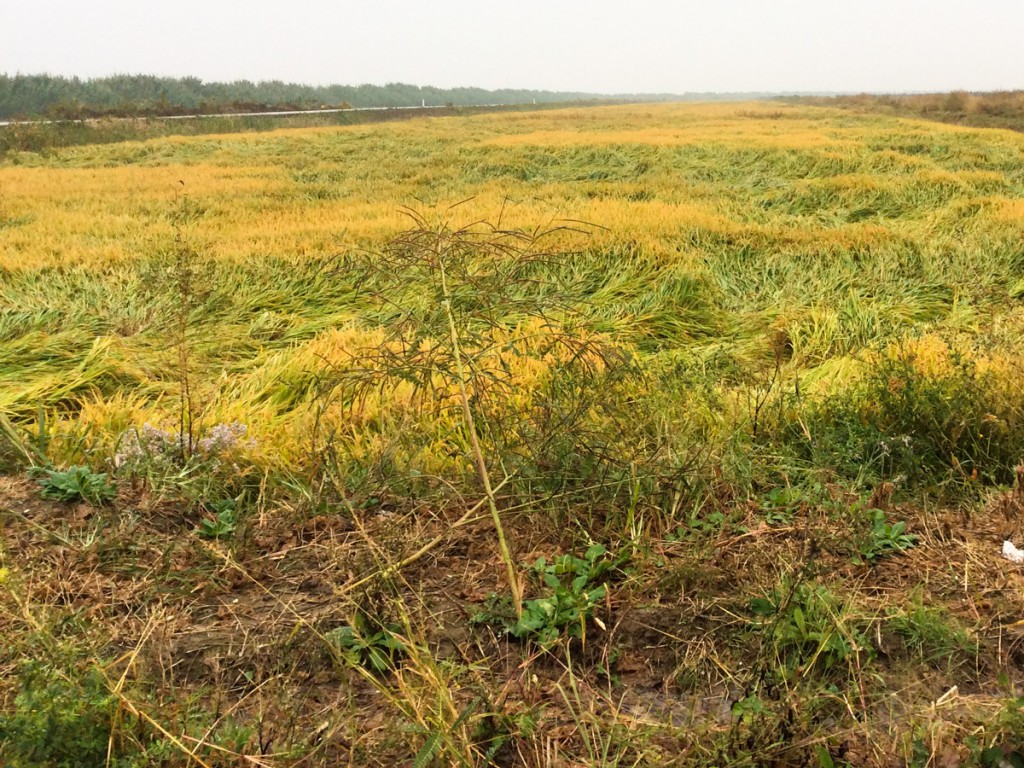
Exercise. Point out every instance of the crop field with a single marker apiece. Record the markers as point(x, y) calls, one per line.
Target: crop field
point(634, 435)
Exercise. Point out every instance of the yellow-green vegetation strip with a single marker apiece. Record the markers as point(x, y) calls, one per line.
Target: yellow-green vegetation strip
point(714, 227)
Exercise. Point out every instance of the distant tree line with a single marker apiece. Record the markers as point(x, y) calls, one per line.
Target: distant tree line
point(141, 95)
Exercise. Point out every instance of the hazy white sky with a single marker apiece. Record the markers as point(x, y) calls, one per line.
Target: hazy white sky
point(587, 45)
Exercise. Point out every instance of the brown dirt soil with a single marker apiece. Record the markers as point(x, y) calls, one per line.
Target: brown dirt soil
point(236, 629)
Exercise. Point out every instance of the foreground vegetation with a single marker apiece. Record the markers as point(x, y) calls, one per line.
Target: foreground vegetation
point(643, 435)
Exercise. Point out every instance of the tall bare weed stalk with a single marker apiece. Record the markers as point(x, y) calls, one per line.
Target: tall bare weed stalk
point(455, 300)
point(481, 463)
point(185, 279)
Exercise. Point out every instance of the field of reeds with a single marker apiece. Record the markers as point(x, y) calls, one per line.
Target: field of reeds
point(618, 436)
point(991, 109)
point(48, 136)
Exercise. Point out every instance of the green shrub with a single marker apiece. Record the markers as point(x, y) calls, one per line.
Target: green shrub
point(59, 719)
point(222, 521)
point(918, 429)
point(806, 627)
point(364, 643)
point(77, 483)
point(931, 634)
point(571, 587)
point(884, 538)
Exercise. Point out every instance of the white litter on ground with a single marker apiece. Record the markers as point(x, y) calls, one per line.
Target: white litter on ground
point(1011, 553)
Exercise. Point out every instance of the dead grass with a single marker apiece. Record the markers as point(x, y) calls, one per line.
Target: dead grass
point(192, 631)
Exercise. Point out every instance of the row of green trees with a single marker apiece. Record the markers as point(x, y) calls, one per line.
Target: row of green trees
point(123, 95)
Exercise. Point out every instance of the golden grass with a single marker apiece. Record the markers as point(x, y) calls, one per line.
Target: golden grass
point(816, 198)
point(307, 191)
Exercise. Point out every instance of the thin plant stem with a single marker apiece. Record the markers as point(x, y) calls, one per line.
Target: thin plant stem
point(481, 464)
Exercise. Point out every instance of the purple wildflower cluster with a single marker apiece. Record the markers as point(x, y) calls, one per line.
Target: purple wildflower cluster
point(152, 443)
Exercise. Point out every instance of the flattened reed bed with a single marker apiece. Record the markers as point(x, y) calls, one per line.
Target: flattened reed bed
point(714, 228)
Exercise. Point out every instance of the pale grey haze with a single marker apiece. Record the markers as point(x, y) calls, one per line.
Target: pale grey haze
point(584, 45)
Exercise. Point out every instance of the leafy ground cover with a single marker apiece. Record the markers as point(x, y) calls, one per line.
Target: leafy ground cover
point(637, 435)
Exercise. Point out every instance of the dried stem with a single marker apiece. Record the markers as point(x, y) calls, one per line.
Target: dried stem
point(481, 464)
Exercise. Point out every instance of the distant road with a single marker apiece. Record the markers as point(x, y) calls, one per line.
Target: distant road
point(249, 114)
